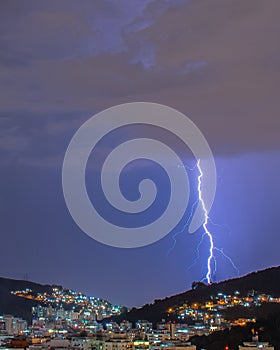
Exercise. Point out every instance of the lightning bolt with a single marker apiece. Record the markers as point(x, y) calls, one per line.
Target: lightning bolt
point(174, 237)
point(205, 223)
point(221, 251)
point(211, 257)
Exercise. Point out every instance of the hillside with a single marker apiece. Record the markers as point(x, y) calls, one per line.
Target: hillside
point(11, 304)
point(268, 330)
point(18, 297)
point(266, 281)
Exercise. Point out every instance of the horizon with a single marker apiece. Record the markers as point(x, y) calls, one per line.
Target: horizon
point(152, 301)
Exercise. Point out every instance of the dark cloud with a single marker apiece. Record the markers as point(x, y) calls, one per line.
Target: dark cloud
point(217, 62)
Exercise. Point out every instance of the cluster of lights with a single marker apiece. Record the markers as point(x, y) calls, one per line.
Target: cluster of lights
point(59, 296)
point(210, 311)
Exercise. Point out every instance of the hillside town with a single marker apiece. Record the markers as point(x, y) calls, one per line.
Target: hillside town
point(66, 319)
point(59, 296)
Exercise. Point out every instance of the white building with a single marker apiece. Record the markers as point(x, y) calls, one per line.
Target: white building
point(118, 344)
point(87, 343)
point(157, 336)
point(255, 345)
point(14, 325)
point(57, 344)
point(173, 346)
point(144, 325)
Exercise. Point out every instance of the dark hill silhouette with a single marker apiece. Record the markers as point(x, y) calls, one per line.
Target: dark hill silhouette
point(266, 281)
point(268, 330)
point(11, 304)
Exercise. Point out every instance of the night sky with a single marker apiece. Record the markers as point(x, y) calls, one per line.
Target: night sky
point(63, 61)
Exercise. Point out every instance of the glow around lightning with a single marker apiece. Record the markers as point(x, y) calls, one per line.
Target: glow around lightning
point(205, 223)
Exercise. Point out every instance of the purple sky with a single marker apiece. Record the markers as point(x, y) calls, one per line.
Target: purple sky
point(61, 62)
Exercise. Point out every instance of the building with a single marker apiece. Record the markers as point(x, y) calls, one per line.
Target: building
point(118, 344)
point(157, 336)
point(256, 345)
point(172, 330)
point(13, 325)
point(144, 325)
point(125, 325)
point(86, 343)
point(173, 345)
point(58, 344)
